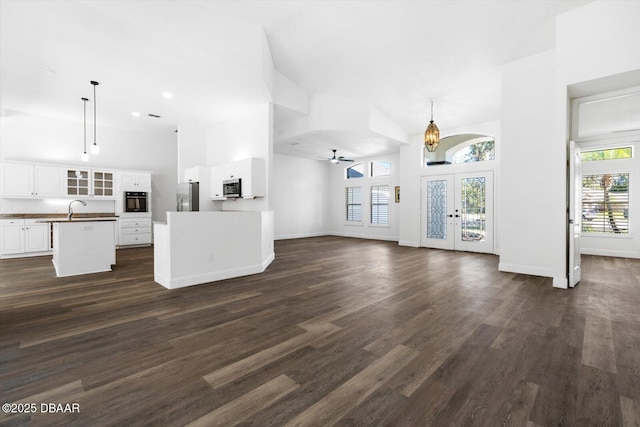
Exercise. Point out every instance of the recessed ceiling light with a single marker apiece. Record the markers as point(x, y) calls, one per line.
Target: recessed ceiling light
point(167, 95)
point(135, 114)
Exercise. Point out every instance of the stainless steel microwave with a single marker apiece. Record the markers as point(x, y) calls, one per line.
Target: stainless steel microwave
point(232, 188)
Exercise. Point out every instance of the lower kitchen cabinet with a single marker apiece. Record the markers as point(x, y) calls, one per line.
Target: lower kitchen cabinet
point(19, 236)
point(135, 232)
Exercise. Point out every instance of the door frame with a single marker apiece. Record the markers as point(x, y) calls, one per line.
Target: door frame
point(454, 243)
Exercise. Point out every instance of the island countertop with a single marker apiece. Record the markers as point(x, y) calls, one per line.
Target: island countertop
point(52, 220)
point(50, 216)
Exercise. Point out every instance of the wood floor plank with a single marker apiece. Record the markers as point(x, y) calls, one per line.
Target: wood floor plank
point(339, 402)
point(598, 396)
point(336, 331)
point(245, 406)
point(249, 364)
point(597, 349)
point(630, 412)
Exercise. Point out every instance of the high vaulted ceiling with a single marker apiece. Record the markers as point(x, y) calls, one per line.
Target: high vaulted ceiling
point(395, 55)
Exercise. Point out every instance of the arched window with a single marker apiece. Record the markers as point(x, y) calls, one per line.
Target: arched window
point(356, 171)
point(474, 151)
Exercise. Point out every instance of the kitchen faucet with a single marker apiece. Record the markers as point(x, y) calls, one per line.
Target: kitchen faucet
point(71, 210)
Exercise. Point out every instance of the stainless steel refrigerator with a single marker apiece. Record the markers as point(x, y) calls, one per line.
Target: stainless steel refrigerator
point(188, 197)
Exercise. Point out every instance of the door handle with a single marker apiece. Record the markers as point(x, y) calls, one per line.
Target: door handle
point(457, 216)
point(450, 216)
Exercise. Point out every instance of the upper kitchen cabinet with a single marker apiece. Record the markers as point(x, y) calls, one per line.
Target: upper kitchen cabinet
point(134, 179)
point(251, 172)
point(29, 180)
point(96, 183)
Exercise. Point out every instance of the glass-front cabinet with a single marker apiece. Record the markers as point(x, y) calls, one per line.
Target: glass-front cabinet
point(77, 182)
point(103, 184)
point(91, 182)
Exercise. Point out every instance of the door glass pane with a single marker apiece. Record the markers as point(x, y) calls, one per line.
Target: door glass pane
point(472, 215)
point(437, 210)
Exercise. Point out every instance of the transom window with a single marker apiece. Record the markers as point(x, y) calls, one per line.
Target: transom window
point(606, 154)
point(356, 171)
point(478, 152)
point(380, 168)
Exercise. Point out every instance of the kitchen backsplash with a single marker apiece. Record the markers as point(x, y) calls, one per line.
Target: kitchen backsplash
point(55, 205)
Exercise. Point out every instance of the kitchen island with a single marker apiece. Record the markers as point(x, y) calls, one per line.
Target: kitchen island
point(83, 245)
point(192, 248)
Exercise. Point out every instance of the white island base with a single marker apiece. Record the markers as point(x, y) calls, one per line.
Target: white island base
point(83, 246)
point(200, 247)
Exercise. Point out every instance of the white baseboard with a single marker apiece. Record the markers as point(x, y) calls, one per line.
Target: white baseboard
point(611, 253)
point(560, 283)
point(299, 236)
point(364, 236)
point(408, 243)
point(525, 269)
point(212, 276)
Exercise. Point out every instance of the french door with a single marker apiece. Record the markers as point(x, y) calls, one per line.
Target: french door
point(457, 212)
point(574, 228)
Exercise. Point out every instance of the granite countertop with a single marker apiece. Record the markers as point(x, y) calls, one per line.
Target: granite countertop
point(74, 219)
point(76, 216)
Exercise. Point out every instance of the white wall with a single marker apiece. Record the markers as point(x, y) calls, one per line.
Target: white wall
point(337, 184)
point(192, 147)
point(247, 135)
point(532, 171)
point(593, 42)
point(597, 40)
point(300, 197)
point(34, 138)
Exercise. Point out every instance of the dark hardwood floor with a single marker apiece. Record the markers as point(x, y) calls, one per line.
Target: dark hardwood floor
point(337, 331)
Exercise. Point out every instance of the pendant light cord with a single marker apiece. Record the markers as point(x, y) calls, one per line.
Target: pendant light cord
point(84, 102)
point(94, 112)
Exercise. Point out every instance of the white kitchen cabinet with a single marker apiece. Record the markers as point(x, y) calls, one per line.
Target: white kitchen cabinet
point(28, 180)
point(134, 231)
point(36, 237)
point(134, 179)
point(196, 174)
point(218, 174)
point(95, 183)
point(12, 238)
point(252, 173)
point(20, 236)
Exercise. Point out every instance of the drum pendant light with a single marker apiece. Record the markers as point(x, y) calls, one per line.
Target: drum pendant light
point(85, 157)
point(432, 134)
point(95, 149)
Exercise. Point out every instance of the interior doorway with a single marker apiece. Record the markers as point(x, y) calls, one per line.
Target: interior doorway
point(457, 212)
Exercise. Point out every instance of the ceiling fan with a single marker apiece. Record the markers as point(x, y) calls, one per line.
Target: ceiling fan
point(335, 159)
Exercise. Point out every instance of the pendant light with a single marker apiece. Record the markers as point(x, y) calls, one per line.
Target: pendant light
point(95, 149)
point(432, 134)
point(85, 157)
